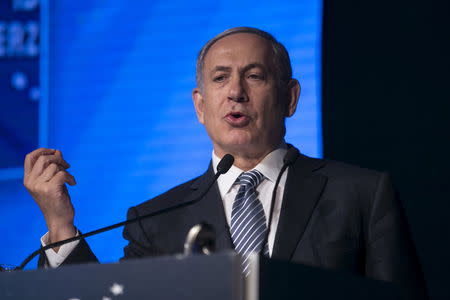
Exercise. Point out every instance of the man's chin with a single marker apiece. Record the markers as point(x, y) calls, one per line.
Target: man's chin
point(238, 141)
point(240, 146)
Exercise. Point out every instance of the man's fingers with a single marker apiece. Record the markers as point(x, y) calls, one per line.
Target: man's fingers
point(44, 161)
point(49, 172)
point(32, 157)
point(62, 177)
point(71, 180)
point(58, 153)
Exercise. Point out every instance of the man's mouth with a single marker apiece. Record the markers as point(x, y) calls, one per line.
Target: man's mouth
point(237, 119)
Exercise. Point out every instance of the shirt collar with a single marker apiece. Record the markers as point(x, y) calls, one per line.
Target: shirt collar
point(270, 166)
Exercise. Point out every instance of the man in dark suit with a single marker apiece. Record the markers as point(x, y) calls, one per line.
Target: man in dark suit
point(327, 214)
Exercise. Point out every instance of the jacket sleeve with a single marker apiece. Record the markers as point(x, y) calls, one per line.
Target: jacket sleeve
point(139, 243)
point(81, 254)
point(390, 252)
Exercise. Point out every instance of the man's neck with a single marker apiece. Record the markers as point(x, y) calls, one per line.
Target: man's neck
point(246, 160)
point(247, 164)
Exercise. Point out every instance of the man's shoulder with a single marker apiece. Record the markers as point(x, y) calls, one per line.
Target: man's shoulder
point(348, 183)
point(171, 197)
point(337, 170)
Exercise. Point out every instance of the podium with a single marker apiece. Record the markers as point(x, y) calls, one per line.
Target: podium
point(216, 277)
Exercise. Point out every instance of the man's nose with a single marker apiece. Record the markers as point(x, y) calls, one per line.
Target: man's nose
point(237, 91)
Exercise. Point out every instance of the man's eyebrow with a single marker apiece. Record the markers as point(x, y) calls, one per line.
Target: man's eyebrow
point(254, 65)
point(221, 68)
point(244, 69)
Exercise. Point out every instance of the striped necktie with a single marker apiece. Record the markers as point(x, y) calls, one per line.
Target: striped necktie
point(248, 221)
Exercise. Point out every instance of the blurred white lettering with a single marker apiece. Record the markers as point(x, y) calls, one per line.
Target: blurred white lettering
point(25, 5)
point(18, 39)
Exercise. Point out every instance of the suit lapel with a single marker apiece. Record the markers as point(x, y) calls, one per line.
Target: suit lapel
point(302, 191)
point(210, 209)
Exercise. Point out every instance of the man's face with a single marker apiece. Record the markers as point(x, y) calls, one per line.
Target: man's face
point(239, 103)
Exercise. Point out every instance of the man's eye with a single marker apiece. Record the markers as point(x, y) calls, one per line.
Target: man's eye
point(256, 76)
point(219, 78)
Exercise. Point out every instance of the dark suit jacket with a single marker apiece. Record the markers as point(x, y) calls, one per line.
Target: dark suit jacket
point(333, 216)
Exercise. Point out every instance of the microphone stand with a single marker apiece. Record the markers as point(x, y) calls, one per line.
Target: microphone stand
point(289, 158)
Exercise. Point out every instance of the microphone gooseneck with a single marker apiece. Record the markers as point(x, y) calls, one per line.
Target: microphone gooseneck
point(289, 159)
point(224, 165)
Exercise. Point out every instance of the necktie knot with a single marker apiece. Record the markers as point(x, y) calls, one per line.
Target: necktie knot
point(250, 179)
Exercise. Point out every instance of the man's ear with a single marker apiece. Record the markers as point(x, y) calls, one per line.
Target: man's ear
point(293, 94)
point(199, 104)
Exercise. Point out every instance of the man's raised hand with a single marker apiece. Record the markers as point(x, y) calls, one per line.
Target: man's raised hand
point(45, 177)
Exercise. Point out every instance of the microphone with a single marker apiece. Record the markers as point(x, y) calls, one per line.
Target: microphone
point(289, 159)
point(201, 239)
point(223, 166)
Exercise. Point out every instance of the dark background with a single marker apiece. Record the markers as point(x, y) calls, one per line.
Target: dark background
point(386, 107)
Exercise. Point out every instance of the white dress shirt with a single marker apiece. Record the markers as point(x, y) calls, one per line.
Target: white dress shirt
point(270, 166)
point(54, 258)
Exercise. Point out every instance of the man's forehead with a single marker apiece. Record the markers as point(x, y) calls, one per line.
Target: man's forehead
point(239, 37)
point(246, 46)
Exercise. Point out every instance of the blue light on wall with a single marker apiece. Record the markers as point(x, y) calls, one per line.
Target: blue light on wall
point(19, 83)
point(118, 80)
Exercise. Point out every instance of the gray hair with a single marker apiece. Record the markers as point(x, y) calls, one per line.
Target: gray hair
point(282, 62)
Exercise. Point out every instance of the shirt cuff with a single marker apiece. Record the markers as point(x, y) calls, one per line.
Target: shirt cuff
point(56, 258)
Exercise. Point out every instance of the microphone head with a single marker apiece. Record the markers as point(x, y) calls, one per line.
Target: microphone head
point(225, 164)
point(201, 239)
point(291, 156)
